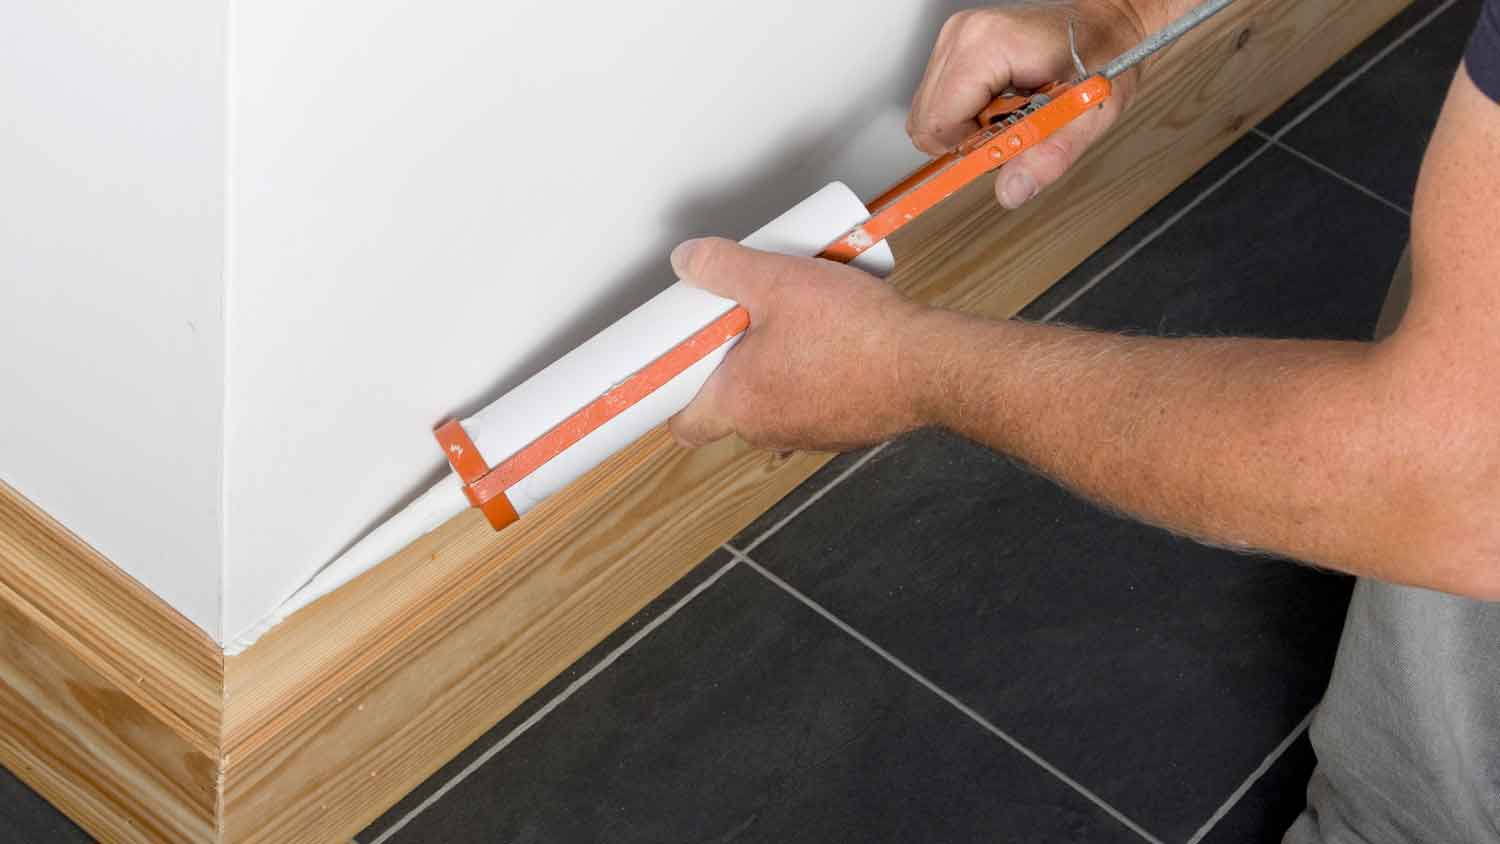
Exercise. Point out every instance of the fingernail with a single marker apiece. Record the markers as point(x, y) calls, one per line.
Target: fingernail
point(1017, 189)
point(681, 254)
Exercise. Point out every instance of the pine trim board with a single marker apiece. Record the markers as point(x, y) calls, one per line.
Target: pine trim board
point(110, 701)
point(136, 726)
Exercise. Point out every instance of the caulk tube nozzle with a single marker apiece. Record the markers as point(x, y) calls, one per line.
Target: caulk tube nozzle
point(429, 511)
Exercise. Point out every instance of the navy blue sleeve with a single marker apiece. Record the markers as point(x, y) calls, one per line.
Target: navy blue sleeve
point(1483, 56)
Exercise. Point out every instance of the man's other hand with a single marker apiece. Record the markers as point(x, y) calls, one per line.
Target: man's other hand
point(981, 52)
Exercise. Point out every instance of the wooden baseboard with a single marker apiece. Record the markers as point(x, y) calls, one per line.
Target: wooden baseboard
point(113, 707)
point(109, 699)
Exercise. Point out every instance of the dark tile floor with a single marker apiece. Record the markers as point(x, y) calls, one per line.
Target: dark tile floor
point(25, 817)
point(1375, 129)
point(1272, 802)
point(927, 643)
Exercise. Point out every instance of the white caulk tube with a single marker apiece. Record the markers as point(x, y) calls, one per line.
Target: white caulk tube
point(514, 420)
point(527, 412)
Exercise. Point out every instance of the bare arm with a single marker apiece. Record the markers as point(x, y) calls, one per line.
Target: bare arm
point(1376, 459)
point(1379, 459)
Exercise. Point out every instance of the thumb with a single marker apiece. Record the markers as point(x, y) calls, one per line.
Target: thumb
point(701, 422)
point(1045, 163)
point(726, 268)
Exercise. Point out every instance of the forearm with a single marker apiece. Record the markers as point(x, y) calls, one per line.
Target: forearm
point(1290, 447)
point(1378, 459)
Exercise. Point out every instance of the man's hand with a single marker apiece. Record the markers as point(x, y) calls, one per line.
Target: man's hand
point(982, 52)
point(819, 367)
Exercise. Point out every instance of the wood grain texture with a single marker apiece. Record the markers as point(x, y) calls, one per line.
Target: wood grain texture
point(335, 715)
point(109, 699)
point(125, 632)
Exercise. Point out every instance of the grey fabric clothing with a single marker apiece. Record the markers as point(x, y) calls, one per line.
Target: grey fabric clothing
point(1408, 733)
point(1397, 297)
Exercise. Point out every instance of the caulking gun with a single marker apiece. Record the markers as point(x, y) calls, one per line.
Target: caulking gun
point(1011, 124)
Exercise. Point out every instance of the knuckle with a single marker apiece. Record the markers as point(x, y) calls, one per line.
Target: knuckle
point(1050, 159)
point(1014, 41)
point(928, 126)
point(780, 300)
point(1058, 150)
point(968, 38)
point(681, 427)
point(977, 29)
point(954, 23)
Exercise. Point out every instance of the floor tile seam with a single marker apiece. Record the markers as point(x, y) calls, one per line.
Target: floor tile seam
point(1275, 137)
point(1354, 75)
point(1244, 788)
point(947, 697)
point(1154, 234)
point(1333, 172)
point(556, 701)
point(816, 496)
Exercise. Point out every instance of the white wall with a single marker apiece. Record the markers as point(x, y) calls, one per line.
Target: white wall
point(433, 200)
point(251, 252)
point(111, 230)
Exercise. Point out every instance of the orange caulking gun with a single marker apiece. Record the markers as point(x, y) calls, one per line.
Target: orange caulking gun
point(1011, 124)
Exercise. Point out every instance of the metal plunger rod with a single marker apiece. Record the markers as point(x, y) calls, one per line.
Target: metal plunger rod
point(1166, 35)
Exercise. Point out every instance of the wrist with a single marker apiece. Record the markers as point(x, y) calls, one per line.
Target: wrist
point(1123, 23)
point(1118, 25)
point(930, 339)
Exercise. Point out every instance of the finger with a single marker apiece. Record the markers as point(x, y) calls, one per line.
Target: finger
point(1036, 168)
point(727, 269)
point(942, 50)
point(944, 112)
point(701, 422)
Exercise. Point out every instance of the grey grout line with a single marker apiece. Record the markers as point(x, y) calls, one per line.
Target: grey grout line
point(1255, 775)
point(812, 499)
point(1362, 69)
point(1155, 233)
point(1270, 139)
point(555, 702)
point(1288, 148)
point(946, 696)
